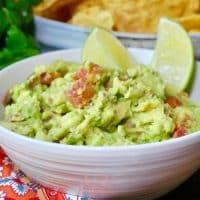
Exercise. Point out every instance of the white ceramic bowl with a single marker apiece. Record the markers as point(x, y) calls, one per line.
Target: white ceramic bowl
point(62, 35)
point(143, 171)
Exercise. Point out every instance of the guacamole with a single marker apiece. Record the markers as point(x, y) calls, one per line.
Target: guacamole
point(90, 105)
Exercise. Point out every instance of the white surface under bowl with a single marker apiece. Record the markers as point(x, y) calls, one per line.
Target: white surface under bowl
point(62, 35)
point(143, 171)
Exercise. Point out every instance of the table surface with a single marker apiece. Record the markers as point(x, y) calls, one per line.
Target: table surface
point(190, 190)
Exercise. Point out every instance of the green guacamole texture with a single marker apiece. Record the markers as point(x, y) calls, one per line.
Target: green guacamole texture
point(89, 105)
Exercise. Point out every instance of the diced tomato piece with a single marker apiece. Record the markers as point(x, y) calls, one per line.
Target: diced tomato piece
point(96, 69)
point(88, 92)
point(81, 74)
point(89, 74)
point(81, 93)
point(83, 89)
point(179, 132)
point(46, 78)
point(173, 101)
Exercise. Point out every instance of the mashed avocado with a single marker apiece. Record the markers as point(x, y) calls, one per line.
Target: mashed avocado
point(90, 105)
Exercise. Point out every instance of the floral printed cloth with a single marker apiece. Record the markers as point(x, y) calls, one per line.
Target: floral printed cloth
point(14, 185)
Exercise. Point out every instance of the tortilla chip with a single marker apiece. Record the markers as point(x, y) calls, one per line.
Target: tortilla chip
point(137, 16)
point(55, 9)
point(93, 16)
point(191, 23)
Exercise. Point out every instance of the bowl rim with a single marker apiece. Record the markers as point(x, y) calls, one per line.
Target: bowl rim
point(83, 148)
point(125, 35)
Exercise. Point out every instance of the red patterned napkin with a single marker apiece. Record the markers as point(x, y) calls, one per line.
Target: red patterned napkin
point(14, 185)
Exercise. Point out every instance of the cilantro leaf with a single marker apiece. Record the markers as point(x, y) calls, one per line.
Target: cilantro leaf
point(18, 46)
point(16, 25)
point(3, 22)
point(6, 58)
point(16, 39)
point(21, 4)
point(24, 9)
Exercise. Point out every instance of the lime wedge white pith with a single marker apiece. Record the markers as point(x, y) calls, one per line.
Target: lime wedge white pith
point(173, 56)
point(102, 48)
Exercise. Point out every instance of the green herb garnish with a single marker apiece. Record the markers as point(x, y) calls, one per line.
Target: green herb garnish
point(16, 29)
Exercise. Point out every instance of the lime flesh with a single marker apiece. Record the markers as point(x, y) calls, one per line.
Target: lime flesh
point(174, 55)
point(102, 48)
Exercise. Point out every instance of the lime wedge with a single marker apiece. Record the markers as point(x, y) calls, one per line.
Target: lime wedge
point(102, 48)
point(174, 55)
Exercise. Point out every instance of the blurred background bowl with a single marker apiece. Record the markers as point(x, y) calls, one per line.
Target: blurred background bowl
point(61, 35)
point(143, 171)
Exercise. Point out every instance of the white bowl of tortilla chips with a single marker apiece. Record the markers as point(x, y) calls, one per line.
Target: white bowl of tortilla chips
point(133, 22)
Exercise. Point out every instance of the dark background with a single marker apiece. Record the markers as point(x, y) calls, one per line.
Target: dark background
point(190, 190)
